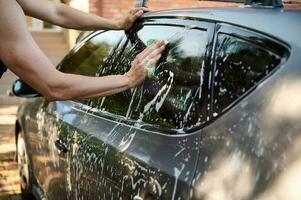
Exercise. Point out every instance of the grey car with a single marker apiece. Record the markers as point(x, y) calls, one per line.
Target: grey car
point(220, 119)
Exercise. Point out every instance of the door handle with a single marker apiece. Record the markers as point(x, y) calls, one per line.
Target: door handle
point(61, 146)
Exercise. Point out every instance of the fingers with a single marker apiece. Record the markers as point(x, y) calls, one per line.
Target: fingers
point(136, 15)
point(152, 58)
point(155, 52)
point(134, 10)
point(157, 46)
point(143, 61)
point(152, 62)
point(148, 58)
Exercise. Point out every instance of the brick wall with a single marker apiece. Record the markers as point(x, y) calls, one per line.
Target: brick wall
point(116, 8)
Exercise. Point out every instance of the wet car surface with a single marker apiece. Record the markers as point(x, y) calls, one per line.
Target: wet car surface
point(221, 112)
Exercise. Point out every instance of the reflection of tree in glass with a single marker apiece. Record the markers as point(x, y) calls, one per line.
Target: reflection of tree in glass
point(118, 62)
point(95, 59)
point(109, 65)
point(86, 59)
point(238, 69)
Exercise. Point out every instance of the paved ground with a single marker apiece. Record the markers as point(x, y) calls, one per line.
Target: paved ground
point(9, 183)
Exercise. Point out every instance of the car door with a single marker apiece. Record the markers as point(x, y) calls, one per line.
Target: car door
point(53, 124)
point(47, 166)
point(84, 152)
point(242, 150)
point(150, 150)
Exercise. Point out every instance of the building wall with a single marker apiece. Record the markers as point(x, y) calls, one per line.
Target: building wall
point(82, 5)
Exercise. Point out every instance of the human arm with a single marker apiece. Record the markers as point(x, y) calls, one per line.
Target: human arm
point(68, 17)
point(21, 54)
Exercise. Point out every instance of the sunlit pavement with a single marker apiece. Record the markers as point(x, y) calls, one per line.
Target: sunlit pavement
point(9, 183)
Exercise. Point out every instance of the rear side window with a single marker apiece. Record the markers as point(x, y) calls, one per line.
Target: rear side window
point(239, 65)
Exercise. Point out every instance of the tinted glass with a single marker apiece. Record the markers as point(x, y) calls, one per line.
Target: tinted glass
point(174, 98)
point(90, 56)
point(239, 64)
point(116, 64)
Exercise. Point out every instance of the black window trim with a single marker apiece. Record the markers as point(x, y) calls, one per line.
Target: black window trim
point(208, 27)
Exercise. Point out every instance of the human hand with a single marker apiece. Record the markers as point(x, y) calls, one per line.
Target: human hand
point(147, 58)
point(128, 20)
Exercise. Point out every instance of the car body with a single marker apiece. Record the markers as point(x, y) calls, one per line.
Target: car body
point(219, 120)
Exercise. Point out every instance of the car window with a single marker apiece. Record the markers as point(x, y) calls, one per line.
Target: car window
point(90, 56)
point(175, 97)
point(239, 65)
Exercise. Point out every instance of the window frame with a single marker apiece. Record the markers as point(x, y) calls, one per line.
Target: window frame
point(164, 21)
point(259, 39)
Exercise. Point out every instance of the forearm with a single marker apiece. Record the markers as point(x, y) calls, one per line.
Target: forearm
point(68, 17)
point(52, 84)
point(55, 85)
point(65, 16)
point(71, 18)
point(91, 87)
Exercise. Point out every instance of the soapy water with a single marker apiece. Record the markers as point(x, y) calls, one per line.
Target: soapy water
point(174, 42)
point(160, 95)
point(157, 102)
point(154, 105)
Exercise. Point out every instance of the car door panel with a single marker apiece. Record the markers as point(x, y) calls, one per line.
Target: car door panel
point(46, 164)
point(114, 160)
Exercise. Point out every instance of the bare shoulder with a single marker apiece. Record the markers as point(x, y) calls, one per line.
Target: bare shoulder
point(12, 20)
point(8, 5)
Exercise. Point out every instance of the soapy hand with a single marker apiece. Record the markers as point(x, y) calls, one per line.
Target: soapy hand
point(143, 61)
point(152, 69)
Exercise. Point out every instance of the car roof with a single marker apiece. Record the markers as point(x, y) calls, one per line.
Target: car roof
point(281, 23)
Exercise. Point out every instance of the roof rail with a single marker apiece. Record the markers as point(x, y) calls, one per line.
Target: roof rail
point(265, 3)
point(249, 3)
